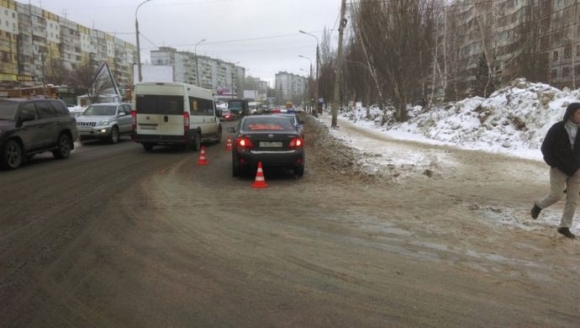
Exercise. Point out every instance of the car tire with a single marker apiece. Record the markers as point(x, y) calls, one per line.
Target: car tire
point(299, 171)
point(148, 146)
point(219, 137)
point(114, 136)
point(64, 146)
point(12, 155)
point(196, 145)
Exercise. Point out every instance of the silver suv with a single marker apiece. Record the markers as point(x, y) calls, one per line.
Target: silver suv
point(106, 121)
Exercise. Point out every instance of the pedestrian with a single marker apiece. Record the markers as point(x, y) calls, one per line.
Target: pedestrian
point(561, 150)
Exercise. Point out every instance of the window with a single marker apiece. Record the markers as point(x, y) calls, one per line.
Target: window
point(59, 107)
point(555, 56)
point(568, 51)
point(577, 70)
point(44, 110)
point(566, 71)
point(28, 108)
point(554, 74)
point(201, 107)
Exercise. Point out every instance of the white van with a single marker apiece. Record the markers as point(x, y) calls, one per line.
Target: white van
point(171, 113)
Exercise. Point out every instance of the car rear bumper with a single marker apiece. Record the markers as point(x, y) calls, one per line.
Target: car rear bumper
point(159, 139)
point(289, 159)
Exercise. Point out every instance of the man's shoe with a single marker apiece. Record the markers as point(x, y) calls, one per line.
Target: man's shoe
point(566, 232)
point(535, 211)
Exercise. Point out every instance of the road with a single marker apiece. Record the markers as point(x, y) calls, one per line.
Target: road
point(117, 237)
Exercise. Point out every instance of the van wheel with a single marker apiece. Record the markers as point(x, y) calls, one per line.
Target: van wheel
point(64, 147)
point(114, 136)
point(147, 146)
point(219, 137)
point(11, 155)
point(196, 142)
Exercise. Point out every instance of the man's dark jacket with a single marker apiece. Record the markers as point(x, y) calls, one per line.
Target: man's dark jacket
point(557, 149)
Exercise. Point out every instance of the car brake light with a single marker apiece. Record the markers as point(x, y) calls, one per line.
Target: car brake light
point(185, 121)
point(244, 142)
point(134, 119)
point(296, 143)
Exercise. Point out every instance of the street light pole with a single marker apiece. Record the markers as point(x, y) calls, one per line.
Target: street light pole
point(138, 47)
point(310, 75)
point(197, 63)
point(317, 80)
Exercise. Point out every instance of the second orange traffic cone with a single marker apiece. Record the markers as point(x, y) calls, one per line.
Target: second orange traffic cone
point(202, 160)
point(259, 182)
point(229, 144)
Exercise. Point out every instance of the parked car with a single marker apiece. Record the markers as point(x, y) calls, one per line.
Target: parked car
point(269, 139)
point(32, 126)
point(105, 121)
point(227, 116)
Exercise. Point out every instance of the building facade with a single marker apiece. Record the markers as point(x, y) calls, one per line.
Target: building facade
point(290, 87)
point(36, 44)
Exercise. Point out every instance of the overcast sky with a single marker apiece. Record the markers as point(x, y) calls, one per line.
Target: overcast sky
point(262, 35)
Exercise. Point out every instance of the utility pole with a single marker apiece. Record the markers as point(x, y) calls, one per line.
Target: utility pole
point(338, 78)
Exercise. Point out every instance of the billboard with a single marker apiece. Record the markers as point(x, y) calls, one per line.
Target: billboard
point(153, 73)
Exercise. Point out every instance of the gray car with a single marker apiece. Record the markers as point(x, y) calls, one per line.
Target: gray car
point(105, 121)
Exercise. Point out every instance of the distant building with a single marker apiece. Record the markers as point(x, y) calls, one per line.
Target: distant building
point(290, 87)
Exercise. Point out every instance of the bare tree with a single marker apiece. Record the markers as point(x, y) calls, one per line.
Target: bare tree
point(94, 80)
point(399, 38)
point(55, 72)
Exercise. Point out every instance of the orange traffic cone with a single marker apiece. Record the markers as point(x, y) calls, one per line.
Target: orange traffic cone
point(229, 144)
point(202, 160)
point(259, 182)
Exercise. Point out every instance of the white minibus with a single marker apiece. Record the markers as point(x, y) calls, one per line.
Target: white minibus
point(172, 113)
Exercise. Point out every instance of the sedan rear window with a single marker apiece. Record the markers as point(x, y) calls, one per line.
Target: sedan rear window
point(267, 124)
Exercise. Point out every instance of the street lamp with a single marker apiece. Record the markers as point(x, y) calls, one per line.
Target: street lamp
point(317, 61)
point(197, 63)
point(138, 48)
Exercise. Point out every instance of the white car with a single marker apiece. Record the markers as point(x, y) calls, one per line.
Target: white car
point(106, 121)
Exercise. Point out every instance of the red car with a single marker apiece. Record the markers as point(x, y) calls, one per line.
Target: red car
point(228, 115)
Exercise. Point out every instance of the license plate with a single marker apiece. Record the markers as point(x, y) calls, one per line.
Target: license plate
point(265, 144)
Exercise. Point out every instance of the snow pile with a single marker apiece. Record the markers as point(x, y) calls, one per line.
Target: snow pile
point(513, 120)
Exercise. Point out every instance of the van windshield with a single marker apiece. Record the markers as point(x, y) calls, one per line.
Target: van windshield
point(153, 104)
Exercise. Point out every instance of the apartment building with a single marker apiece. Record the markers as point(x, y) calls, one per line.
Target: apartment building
point(8, 42)
point(35, 42)
point(290, 87)
point(211, 73)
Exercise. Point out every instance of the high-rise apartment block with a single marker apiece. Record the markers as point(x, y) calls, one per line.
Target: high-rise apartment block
point(34, 43)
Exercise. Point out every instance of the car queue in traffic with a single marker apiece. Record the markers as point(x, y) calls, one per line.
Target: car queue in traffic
point(161, 114)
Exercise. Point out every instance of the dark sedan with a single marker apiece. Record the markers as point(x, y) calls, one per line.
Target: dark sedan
point(271, 140)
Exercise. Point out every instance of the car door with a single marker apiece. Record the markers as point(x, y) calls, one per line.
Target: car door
point(125, 121)
point(31, 132)
point(47, 119)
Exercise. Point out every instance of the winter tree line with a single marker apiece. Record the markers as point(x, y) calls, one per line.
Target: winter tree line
point(401, 52)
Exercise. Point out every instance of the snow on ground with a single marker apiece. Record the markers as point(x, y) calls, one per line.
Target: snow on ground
point(512, 121)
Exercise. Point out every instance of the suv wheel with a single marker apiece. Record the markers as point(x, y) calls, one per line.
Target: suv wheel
point(64, 147)
point(11, 155)
point(114, 137)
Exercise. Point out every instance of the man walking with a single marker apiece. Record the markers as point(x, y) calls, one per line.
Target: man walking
point(561, 150)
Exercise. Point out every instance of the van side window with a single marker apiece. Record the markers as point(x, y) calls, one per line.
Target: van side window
point(201, 107)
